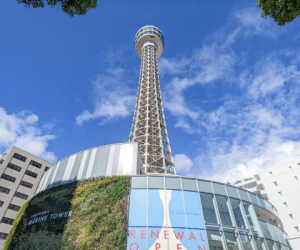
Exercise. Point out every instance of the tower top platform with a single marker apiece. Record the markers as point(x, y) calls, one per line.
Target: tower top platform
point(150, 34)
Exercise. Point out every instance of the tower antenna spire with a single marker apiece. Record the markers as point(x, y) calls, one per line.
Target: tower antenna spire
point(149, 126)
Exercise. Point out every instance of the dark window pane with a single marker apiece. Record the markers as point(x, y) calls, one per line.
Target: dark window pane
point(26, 184)
point(8, 177)
point(35, 164)
point(208, 208)
point(22, 196)
point(3, 236)
point(13, 207)
point(1, 203)
point(4, 190)
point(14, 167)
point(19, 157)
point(32, 174)
point(6, 220)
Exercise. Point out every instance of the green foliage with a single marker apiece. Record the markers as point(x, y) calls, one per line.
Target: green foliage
point(70, 7)
point(98, 221)
point(282, 11)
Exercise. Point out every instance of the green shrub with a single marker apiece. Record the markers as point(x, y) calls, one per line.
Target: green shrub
point(98, 220)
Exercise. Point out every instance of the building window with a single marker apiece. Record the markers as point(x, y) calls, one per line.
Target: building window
point(20, 157)
point(275, 182)
point(14, 167)
point(280, 193)
point(270, 173)
point(1, 203)
point(35, 164)
point(26, 184)
point(285, 204)
point(7, 221)
point(22, 196)
point(8, 177)
point(290, 167)
point(14, 207)
point(4, 190)
point(46, 168)
point(291, 216)
point(34, 175)
point(3, 236)
point(297, 228)
point(296, 177)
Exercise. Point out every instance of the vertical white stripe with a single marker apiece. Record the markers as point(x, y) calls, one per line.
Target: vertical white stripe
point(41, 183)
point(81, 168)
point(69, 168)
point(91, 164)
point(125, 159)
point(46, 179)
point(110, 161)
point(56, 169)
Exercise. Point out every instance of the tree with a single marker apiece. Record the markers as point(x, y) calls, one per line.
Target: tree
point(282, 11)
point(70, 7)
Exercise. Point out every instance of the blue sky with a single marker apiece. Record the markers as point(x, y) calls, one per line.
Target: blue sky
point(229, 80)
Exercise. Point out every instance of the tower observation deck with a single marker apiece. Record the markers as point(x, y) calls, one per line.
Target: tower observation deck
point(149, 126)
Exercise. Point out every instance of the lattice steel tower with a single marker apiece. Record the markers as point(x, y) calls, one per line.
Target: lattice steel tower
point(149, 126)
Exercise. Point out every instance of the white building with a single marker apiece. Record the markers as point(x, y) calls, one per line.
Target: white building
point(281, 186)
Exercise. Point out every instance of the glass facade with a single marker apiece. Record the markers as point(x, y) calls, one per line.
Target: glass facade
point(170, 213)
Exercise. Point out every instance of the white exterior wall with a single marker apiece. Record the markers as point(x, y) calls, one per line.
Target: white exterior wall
point(287, 178)
point(115, 159)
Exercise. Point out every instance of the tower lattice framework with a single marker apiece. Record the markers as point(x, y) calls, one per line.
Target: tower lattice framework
point(149, 126)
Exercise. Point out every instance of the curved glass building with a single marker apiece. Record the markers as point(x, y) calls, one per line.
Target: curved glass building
point(165, 211)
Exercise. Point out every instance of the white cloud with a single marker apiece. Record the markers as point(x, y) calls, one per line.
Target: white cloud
point(21, 130)
point(113, 98)
point(183, 163)
point(254, 125)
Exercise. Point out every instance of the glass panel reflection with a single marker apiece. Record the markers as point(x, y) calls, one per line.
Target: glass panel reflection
point(224, 210)
point(247, 242)
point(239, 218)
point(271, 245)
point(252, 219)
point(219, 189)
point(138, 207)
point(136, 238)
point(260, 244)
point(265, 229)
point(215, 240)
point(279, 246)
point(208, 208)
point(231, 240)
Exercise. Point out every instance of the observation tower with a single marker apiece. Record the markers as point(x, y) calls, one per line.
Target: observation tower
point(149, 126)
